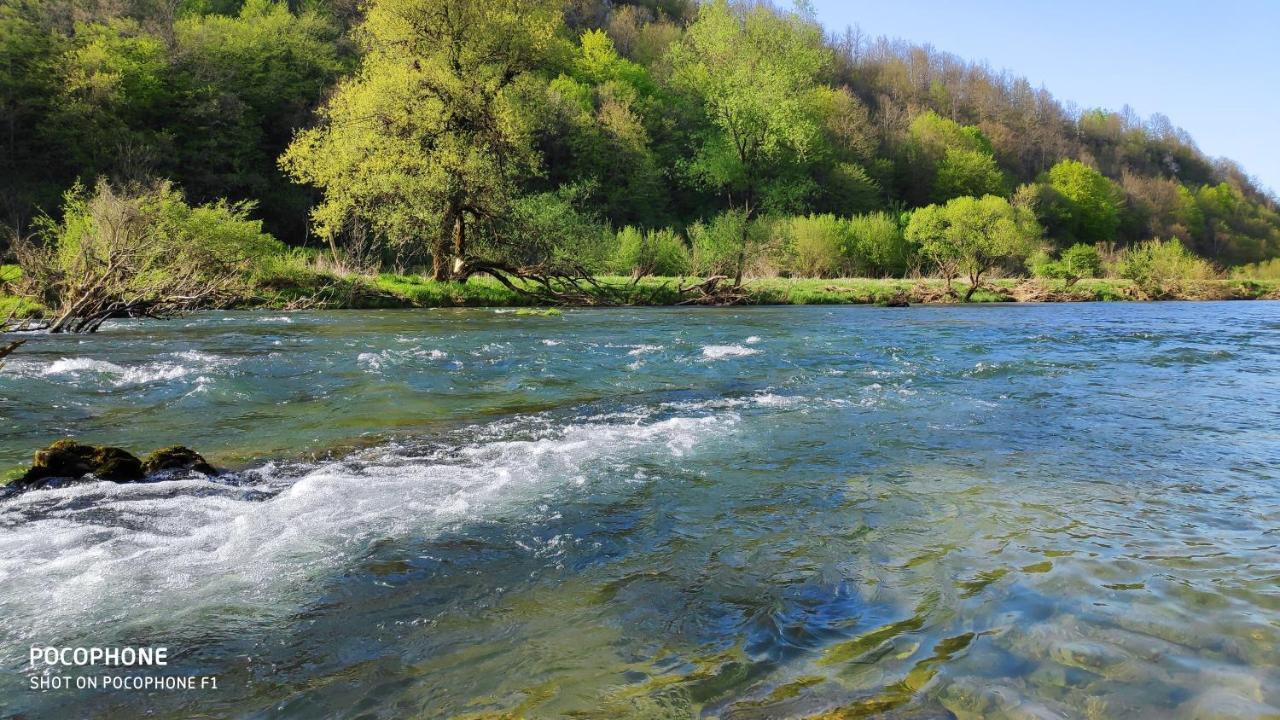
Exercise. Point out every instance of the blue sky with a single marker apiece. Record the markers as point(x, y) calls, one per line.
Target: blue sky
point(1212, 67)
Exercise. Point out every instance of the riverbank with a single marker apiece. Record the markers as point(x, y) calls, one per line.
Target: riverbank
point(398, 291)
point(355, 291)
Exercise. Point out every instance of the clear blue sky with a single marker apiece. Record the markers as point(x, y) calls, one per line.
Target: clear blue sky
point(1212, 67)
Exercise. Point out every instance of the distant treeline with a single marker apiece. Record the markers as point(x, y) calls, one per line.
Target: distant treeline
point(415, 133)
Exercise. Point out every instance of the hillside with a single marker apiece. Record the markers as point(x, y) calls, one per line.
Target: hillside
point(612, 119)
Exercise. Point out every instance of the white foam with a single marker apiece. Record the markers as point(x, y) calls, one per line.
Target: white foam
point(76, 556)
point(717, 352)
point(642, 349)
point(375, 362)
point(188, 362)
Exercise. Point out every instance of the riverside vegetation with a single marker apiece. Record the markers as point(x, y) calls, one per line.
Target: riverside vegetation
point(168, 157)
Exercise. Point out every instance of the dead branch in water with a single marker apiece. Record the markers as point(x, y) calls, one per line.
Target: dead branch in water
point(6, 350)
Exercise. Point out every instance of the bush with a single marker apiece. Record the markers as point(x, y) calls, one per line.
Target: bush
point(816, 245)
point(1159, 266)
point(1264, 270)
point(654, 252)
point(553, 226)
point(1078, 261)
point(140, 250)
point(877, 247)
point(716, 245)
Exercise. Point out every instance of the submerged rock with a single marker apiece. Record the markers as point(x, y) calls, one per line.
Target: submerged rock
point(67, 461)
point(177, 457)
point(1223, 704)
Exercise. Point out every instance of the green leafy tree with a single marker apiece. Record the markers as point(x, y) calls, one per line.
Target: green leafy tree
point(431, 135)
point(241, 84)
point(596, 130)
point(973, 235)
point(946, 160)
point(754, 71)
point(1089, 204)
point(113, 83)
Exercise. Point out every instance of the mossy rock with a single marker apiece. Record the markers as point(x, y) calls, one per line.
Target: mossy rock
point(71, 460)
point(67, 461)
point(177, 458)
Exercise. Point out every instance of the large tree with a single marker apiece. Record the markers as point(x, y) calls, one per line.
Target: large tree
point(973, 235)
point(755, 71)
point(430, 135)
point(1089, 206)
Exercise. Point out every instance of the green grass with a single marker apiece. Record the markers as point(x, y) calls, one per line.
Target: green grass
point(389, 290)
point(12, 305)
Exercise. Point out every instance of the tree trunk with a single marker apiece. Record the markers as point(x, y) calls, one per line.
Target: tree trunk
point(459, 243)
point(973, 286)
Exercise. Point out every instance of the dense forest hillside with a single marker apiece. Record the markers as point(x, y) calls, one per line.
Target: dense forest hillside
point(658, 137)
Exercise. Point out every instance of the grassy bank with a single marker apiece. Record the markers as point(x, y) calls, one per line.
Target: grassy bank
point(413, 291)
point(12, 305)
point(351, 291)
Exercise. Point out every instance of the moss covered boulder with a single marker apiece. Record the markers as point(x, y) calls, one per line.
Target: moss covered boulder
point(70, 460)
point(177, 458)
point(67, 461)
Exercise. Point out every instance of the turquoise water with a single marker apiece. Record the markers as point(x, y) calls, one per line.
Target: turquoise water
point(1011, 511)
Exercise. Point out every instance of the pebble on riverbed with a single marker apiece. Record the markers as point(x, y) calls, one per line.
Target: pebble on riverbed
point(69, 461)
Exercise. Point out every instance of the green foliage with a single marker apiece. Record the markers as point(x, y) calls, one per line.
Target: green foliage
point(1158, 266)
point(817, 245)
point(494, 130)
point(1078, 261)
point(140, 250)
point(878, 247)
point(753, 70)
point(946, 160)
point(1087, 207)
point(432, 132)
point(556, 225)
point(653, 252)
point(973, 235)
point(718, 244)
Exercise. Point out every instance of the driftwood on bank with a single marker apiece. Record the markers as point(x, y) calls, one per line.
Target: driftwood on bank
point(712, 291)
point(571, 284)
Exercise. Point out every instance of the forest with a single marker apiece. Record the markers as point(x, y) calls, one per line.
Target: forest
point(208, 141)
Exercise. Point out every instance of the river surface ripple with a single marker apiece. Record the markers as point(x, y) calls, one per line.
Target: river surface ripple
point(1013, 511)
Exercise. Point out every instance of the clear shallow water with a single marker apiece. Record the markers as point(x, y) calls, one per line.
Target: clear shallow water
point(1018, 511)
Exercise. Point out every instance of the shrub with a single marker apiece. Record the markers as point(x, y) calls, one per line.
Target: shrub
point(654, 252)
point(877, 246)
point(140, 250)
point(1159, 266)
point(716, 245)
point(1264, 270)
point(553, 226)
point(816, 245)
point(1078, 261)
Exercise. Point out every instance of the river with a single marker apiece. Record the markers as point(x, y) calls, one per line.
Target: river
point(995, 511)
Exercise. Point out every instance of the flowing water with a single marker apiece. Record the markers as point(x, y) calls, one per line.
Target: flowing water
point(1013, 511)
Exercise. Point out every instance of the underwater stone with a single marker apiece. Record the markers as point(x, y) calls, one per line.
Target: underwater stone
point(1222, 704)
